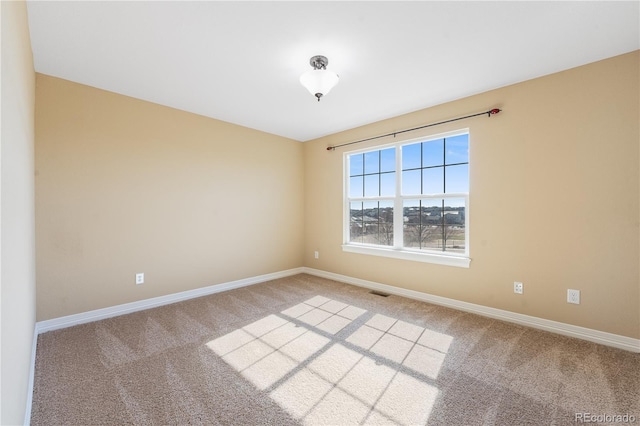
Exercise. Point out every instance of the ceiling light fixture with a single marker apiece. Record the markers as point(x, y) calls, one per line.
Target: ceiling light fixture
point(319, 81)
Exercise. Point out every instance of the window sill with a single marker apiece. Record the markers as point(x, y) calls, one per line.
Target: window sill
point(448, 260)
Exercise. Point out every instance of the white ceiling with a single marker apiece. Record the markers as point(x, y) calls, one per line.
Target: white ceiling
point(240, 61)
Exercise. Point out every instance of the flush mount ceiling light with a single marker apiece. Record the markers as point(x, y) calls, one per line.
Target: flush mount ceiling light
point(319, 81)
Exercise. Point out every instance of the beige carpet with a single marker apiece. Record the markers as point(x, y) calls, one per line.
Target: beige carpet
point(306, 350)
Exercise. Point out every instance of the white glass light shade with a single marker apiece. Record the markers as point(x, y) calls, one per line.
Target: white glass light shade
point(319, 81)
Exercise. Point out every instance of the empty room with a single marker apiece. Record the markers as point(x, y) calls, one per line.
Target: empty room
point(321, 213)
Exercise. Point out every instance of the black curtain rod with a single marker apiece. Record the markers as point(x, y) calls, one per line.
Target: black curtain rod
point(489, 114)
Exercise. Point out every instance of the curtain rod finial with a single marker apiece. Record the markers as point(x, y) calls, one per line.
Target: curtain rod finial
point(494, 111)
point(331, 148)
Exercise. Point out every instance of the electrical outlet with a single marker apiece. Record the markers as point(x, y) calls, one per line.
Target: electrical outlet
point(573, 296)
point(140, 278)
point(316, 254)
point(518, 287)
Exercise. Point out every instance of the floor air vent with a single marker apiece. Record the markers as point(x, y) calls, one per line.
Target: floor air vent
point(379, 293)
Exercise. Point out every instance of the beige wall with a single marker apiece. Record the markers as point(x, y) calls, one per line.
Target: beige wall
point(17, 259)
point(126, 186)
point(554, 190)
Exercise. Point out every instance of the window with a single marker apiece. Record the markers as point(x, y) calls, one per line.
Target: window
point(409, 200)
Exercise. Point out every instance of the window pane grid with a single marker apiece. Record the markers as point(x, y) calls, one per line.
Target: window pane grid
point(435, 224)
point(432, 159)
point(371, 222)
point(433, 183)
point(372, 174)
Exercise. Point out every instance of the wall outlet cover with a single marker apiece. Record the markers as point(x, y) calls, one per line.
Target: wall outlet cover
point(573, 296)
point(518, 287)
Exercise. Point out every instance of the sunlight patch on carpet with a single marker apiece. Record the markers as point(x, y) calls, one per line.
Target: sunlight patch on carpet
point(381, 371)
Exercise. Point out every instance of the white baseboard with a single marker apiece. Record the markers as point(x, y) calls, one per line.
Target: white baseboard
point(601, 337)
point(127, 308)
point(596, 336)
point(98, 314)
point(609, 339)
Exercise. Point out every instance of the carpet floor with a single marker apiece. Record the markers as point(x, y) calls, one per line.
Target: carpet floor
point(307, 350)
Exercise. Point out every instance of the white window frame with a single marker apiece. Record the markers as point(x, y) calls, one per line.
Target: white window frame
point(397, 251)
